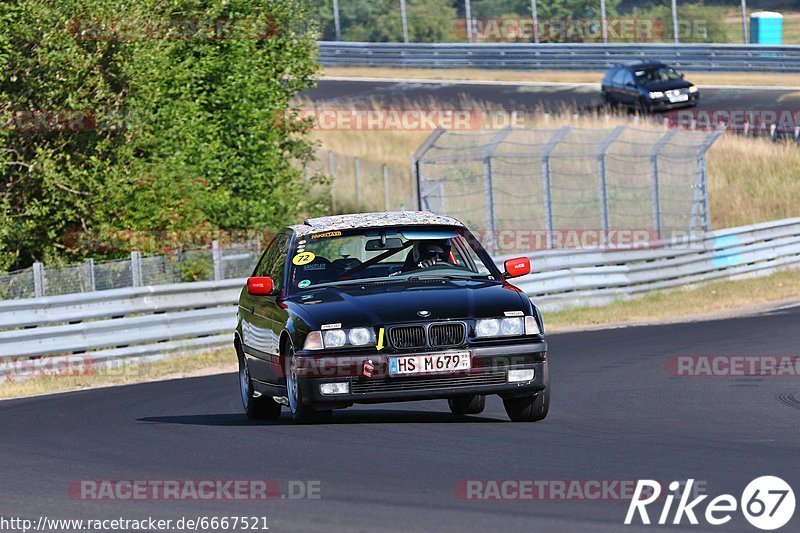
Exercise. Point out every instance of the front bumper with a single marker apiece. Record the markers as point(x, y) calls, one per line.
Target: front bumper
point(663, 104)
point(488, 375)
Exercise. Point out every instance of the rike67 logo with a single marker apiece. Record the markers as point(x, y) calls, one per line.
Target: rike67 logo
point(767, 503)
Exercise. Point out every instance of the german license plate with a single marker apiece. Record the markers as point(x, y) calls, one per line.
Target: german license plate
point(429, 363)
point(679, 98)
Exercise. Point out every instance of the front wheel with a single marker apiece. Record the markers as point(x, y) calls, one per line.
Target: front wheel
point(255, 407)
point(301, 412)
point(530, 408)
point(467, 405)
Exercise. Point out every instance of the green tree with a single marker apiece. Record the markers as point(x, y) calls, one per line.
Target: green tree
point(195, 131)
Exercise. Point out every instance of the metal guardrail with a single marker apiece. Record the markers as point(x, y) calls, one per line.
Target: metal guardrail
point(550, 56)
point(566, 278)
point(58, 333)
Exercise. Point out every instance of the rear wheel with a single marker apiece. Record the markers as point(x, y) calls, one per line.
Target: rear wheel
point(529, 408)
point(301, 412)
point(467, 405)
point(255, 407)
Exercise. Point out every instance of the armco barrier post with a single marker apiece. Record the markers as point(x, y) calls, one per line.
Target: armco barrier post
point(136, 269)
point(38, 280)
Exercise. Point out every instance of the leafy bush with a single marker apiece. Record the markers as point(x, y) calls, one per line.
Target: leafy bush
point(185, 131)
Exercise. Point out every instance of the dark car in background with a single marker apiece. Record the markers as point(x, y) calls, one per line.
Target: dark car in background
point(385, 307)
point(648, 86)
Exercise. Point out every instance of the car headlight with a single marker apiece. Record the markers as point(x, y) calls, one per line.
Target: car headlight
point(359, 336)
point(693, 89)
point(487, 327)
point(336, 338)
point(656, 94)
point(506, 327)
point(511, 326)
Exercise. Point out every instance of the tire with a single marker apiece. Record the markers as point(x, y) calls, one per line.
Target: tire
point(530, 408)
point(467, 405)
point(301, 412)
point(256, 408)
point(644, 107)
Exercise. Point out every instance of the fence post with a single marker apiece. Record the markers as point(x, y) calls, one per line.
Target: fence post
point(336, 25)
point(654, 153)
point(90, 281)
point(546, 185)
point(386, 205)
point(38, 280)
point(357, 165)
point(491, 229)
point(330, 173)
point(701, 187)
point(136, 269)
point(601, 170)
point(216, 255)
point(404, 20)
point(416, 178)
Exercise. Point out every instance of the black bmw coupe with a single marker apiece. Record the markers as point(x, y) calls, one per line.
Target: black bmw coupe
point(387, 307)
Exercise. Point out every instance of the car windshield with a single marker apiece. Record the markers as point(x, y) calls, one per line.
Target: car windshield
point(662, 73)
point(367, 255)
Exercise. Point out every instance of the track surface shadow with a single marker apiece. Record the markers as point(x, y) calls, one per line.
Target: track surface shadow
point(387, 416)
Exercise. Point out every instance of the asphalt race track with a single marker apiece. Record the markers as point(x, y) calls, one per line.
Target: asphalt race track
point(530, 98)
point(616, 415)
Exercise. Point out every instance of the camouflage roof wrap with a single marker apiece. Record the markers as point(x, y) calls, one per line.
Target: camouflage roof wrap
point(373, 220)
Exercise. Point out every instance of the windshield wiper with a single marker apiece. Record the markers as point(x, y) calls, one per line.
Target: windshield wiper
point(441, 276)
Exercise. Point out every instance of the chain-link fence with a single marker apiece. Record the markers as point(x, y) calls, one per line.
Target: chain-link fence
point(526, 189)
point(360, 185)
point(236, 260)
point(534, 21)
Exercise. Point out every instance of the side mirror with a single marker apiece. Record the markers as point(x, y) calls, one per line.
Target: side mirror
point(516, 267)
point(259, 285)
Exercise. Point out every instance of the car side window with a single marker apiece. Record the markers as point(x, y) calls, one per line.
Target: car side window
point(262, 268)
point(627, 78)
point(619, 78)
point(277, 262)
point(609, 76)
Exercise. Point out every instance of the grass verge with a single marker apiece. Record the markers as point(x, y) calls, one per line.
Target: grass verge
point(765, 79)
point(181, 366)
point(713, 300)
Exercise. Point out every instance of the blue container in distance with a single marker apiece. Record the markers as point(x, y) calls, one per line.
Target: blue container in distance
point(766, 27)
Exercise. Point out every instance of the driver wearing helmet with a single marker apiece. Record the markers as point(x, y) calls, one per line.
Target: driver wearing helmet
point(425, 254)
